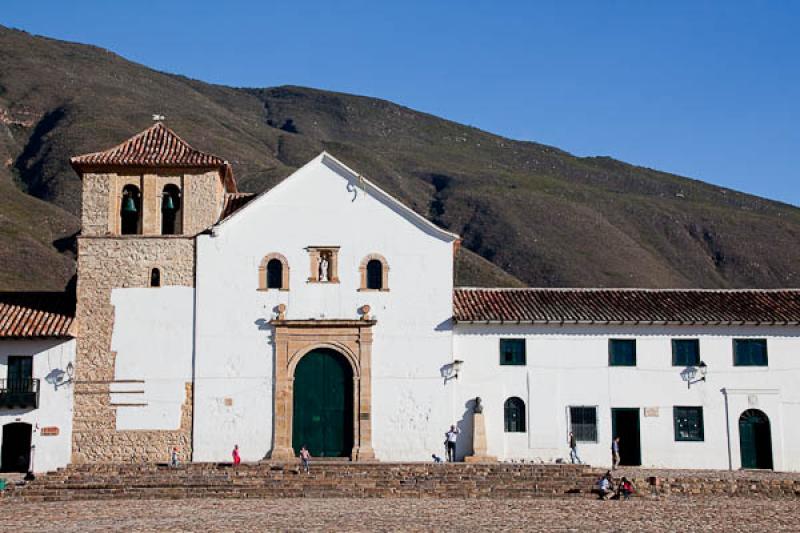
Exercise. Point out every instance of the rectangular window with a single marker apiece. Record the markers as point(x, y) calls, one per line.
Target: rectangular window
point(512, 351)
point(583, 423)
point(685, 352)
point(622, 352)
point(688, 423)
point(20, 373)
point(749, 352)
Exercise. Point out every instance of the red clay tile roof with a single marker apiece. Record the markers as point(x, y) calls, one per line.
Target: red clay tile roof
point(234, 202)
point(627, 306)
point(36, 314)
point(156, 146)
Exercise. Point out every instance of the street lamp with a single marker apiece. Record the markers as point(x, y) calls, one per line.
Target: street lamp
point(451, 371)
point(689, 374)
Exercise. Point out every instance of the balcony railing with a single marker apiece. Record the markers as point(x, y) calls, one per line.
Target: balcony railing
point(21, 393)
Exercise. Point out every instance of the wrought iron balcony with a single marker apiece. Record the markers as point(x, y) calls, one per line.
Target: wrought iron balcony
point(21, 393)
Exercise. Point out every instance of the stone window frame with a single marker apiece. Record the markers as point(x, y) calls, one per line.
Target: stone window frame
point(314, 255)
point(262, 272)
point(362, 270)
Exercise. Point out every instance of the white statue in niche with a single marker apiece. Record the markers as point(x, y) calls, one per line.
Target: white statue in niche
point(323, 268)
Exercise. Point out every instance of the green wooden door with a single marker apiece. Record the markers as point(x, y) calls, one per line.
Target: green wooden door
point(323, 405)
point(755, 441)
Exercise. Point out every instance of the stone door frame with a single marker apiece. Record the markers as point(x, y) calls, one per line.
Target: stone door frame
point(292, 340)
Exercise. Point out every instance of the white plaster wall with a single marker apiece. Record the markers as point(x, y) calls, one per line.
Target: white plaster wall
point(568, 366)
point(321, 205)
point(153, 336)
point(55, 403)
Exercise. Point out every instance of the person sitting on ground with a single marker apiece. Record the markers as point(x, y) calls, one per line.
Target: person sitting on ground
point(436, 458)
point(305, 457)
point(625, 488)
point(236, 458)
point(605, 486)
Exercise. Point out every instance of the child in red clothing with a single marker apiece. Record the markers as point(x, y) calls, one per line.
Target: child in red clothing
point(236, 458)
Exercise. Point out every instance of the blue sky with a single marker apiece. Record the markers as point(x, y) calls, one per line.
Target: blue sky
point(709, 90)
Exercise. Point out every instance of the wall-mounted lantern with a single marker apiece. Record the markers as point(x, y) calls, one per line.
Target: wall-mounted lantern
point(689, 374)
point(452, 370)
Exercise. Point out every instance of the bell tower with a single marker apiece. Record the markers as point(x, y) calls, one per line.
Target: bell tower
point(143, 203)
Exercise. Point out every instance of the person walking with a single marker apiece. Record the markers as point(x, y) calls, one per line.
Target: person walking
point(615, 453)
point(173, 458)
point(305, 457)
point(450, 442)
point(573, 450)
point(236, 457)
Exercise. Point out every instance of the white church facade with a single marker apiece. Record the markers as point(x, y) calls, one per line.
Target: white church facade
point(323, 312)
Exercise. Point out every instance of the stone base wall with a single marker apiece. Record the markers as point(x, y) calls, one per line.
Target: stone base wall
point(103, 265)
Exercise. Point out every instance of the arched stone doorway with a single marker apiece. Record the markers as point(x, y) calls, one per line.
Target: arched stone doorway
point(323, 404)
point(755, 440)
point(16, 450)
point(340, 350)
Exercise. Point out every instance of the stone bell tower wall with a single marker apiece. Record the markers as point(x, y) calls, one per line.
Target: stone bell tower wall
point(107, 267)
point(202, 191)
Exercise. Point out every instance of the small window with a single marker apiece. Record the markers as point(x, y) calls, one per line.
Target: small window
point(688, 423)
point(685, 352)
point(374, 274)
point(512, 351)
point(274, 274)
point(514, 411)
point(622, 352)
point(749, 352)
point(20, 373)
point(583, 423)
point(155, 278)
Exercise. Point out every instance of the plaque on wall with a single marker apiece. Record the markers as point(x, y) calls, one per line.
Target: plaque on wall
point(49, 431)
point(651, 411)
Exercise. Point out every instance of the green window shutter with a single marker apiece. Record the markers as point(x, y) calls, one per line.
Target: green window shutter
point(512, 352)
point(750, 352)
point(622, 352)
point(685, 352)
point(688, 423)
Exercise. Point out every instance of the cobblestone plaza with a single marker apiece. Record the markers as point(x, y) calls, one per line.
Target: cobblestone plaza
point(303, 514)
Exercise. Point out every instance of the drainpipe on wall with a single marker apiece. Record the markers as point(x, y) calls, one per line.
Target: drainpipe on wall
point(724, 392)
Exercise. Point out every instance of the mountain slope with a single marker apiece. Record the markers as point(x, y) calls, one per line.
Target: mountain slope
point(542, 215)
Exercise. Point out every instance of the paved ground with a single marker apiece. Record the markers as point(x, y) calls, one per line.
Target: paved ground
point(670, 514)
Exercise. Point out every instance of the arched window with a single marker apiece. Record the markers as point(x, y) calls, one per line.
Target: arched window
point(273, 273)
point(374, 273)
point(130, 211)
point(514, 414)
point(171, 210)
point(155, 278)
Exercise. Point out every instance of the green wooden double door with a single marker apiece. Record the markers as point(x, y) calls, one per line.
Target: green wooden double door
point(323, 404)
point(755, 440)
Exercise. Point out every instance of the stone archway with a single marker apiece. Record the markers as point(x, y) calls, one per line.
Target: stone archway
point(352, 339)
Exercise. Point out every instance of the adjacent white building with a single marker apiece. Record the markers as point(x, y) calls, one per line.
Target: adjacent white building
point(323, 313)
point(37, 354)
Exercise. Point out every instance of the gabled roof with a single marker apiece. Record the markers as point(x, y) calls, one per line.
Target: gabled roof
point(324, 158)
point(157, 146)
point(627, 306)
point(36, 314)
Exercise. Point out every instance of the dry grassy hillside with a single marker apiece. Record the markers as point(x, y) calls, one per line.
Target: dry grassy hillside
point(531, 212)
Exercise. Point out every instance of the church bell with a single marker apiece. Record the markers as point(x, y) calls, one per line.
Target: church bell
point(129, 206)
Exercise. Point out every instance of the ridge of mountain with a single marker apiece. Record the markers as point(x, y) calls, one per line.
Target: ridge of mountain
point(533, 214)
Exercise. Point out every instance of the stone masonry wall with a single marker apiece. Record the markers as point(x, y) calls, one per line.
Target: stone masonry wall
point(104, 264)
point(202, 198)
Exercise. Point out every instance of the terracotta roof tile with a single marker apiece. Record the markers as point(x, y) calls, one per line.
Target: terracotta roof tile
point(627, 306)
point(234, 202)
point(156, 146)
point(36, 314)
